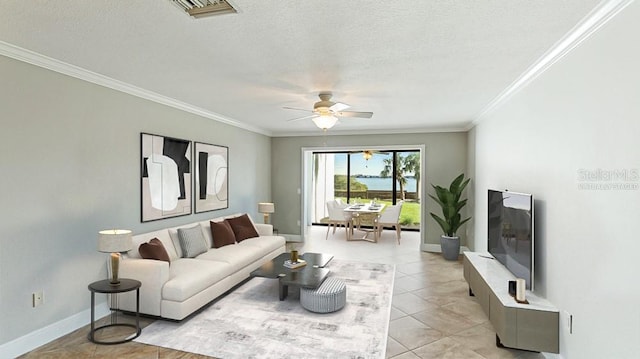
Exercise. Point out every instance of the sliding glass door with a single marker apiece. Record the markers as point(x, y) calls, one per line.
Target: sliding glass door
point(387, 176)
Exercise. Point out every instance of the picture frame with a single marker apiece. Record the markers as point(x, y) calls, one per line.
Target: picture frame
point(165, 177)
point(211, 177)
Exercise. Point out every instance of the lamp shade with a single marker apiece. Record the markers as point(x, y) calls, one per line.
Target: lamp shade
point(114, 240)
point(325, 122)
point(266, 207)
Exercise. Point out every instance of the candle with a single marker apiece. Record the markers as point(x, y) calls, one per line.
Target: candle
point(520, 288)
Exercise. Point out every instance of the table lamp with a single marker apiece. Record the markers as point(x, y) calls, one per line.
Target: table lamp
point(266, 208)
point(114, 241)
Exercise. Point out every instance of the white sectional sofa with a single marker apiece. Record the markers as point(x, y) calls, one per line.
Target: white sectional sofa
point(177, 288)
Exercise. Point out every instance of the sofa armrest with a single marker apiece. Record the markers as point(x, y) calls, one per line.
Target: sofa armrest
point(264, 229)
point(153, 275)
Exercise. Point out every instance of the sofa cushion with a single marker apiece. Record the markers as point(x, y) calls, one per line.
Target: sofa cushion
point(237, 256)
point(188, 276)
point(266, 244)
point(242, 227)
point(175, 239)
point(154, 250)
point(222, 234)
point(206, 230)
point(192, 241)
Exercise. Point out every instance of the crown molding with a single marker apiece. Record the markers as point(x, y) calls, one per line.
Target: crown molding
point(319, 132)
point(599, 16)
point(34, 58)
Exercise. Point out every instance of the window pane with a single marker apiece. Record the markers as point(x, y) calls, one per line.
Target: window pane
point(408, 181)
point(329, 182)
point(369, 180)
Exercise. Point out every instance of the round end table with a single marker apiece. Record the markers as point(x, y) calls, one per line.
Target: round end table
point(105, 286)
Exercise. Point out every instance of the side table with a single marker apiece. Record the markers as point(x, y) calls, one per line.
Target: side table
point(104, 286)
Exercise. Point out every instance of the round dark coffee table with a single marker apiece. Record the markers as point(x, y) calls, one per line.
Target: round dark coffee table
point(105, 286)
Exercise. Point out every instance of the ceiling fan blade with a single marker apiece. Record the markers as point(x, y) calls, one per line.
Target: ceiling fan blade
point(297, 109)
point(338, 106)
point(302, 118)
point(354, 114)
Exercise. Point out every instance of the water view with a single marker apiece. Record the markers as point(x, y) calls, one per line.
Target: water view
point(384, 184)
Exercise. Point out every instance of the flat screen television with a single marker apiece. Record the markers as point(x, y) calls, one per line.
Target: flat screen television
point(510, 232)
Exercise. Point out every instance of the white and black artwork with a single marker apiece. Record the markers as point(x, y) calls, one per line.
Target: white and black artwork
point(165, 177)
point(211, 177)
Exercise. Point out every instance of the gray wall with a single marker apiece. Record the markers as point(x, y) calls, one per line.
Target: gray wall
point(471, 191)
point(581, 114)
point(69, 156)
point(446, 155)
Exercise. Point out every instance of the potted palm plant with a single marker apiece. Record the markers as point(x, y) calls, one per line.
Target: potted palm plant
point(449, 201)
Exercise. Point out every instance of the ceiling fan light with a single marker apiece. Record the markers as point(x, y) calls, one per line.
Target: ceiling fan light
point(325, 122)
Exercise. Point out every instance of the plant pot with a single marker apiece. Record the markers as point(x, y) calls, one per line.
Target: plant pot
point(450, 247)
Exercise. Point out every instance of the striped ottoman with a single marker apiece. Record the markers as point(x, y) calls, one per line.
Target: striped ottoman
point(329, 297)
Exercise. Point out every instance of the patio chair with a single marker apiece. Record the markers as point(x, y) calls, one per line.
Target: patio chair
point(337, 216)
point(390, 217)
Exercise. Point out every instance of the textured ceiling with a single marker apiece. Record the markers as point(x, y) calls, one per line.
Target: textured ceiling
point(418, 65)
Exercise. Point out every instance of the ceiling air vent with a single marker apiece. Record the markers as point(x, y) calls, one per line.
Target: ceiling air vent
point(202, 8)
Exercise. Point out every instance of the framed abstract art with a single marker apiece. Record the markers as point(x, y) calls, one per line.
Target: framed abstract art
point(211, 178)
point(165, 177)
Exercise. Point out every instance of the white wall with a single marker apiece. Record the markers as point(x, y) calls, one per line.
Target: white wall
point(583, 113)
point(69, 159)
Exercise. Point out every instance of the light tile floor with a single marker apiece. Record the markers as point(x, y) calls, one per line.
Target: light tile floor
point(432, 315)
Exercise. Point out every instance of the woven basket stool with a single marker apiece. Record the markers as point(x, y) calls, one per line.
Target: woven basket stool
point(329, 297)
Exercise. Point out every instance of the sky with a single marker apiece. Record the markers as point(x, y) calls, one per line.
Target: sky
point(372, 167)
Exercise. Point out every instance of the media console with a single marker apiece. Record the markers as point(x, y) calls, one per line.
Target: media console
point(532, 326)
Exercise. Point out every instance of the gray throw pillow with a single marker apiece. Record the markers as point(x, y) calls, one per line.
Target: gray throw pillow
point(192, 241)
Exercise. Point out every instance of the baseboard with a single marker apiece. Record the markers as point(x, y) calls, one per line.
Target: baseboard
point(51, 332)
point(435, 248)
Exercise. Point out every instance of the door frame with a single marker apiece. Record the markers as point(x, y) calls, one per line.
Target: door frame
point(307, 180)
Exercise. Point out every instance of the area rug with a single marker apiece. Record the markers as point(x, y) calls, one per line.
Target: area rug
point(251, 322)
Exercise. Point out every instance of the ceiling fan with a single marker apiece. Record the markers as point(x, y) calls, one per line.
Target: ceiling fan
point(326, 112)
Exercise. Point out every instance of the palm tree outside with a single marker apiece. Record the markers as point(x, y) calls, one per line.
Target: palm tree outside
point(413, 165)
point(405, 165)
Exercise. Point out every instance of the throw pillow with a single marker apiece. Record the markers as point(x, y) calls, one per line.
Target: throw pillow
point(222, 234)
point(192, 241)
point(154, 249)
point(175, 239)
point(243, 227)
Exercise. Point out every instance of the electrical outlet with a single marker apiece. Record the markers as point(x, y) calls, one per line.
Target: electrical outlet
point(37, 298)
point(298, 223)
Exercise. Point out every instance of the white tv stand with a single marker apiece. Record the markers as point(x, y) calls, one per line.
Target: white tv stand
point(532, 326)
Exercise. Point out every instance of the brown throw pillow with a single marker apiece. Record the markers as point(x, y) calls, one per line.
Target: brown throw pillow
point(222, 234)
point(154, 250)
point(242, 227)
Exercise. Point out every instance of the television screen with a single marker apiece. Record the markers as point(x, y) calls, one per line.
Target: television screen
point(510, 229)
